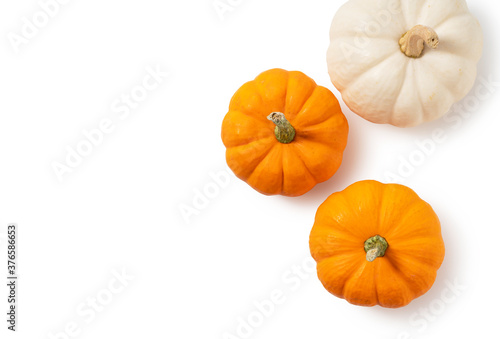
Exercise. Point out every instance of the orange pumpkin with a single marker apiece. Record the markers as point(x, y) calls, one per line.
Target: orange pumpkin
point(283, 133)
point(376, 243)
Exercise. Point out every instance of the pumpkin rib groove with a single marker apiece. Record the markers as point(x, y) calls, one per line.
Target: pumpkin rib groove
point(398, 237)
point(264, 152)
point(457, 12)
point(451, 16)
point(418, 17)
point(414, 239)
point(409, 205)
point(254, 122)
point(266, 155)
point(304, 164)
point(387, 198)
point(253, 117)
point(332, 257)
point(306, 96)
point(379, 107)
point(314, 123)
point(429, 265)
point(237, 106)
point(381, 214)
point(282, 173)
point(403, 281)
point(359, 77)
point(329, 248)
point(351, 276)
point(399, 91)
point(402, 276)
point(375, 62)
point(445, 86)
point(433, 265)
point(355, 275)
point(343, 233)
point(377, 298)
point(405, 14)
point(414, 287)
point(348, 205)
point(355, 34)
point(398, 230)
point(417, 90)
point(304, 104)
point(269, 138)
point(322, 174)
point(349, 264)
point(375, 274)
point(264, 79)
point(299, 155)
point(285, 109)
point(333, 226)
point(464, 58)
point(307, 177)
point(317, 125)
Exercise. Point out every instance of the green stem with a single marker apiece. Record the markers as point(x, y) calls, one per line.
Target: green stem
point(375, 247)
point(284, 131)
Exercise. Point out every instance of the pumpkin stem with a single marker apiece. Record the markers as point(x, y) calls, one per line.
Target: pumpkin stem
point(375, 247)
point(412, 42)
point(284, 131)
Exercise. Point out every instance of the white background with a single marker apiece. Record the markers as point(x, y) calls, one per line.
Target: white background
point(120, 208)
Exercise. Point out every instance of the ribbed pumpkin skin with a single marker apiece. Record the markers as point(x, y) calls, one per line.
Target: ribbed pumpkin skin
point(255, 155)
point(379, 83)
point(347, 219)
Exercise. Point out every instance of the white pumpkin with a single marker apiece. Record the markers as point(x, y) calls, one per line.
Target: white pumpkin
point(378, 61)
